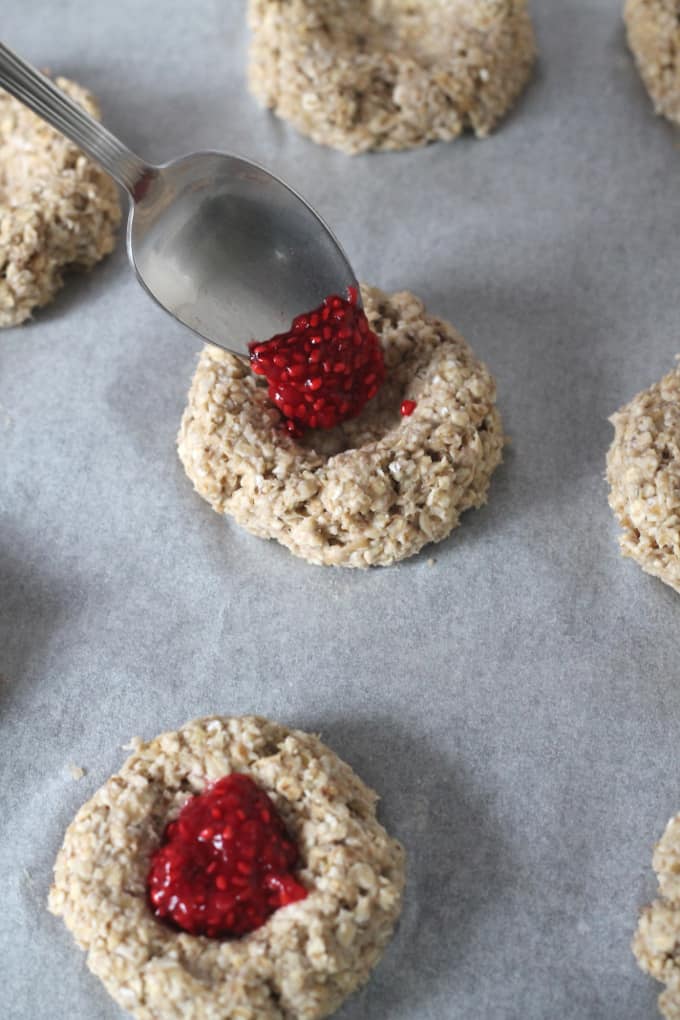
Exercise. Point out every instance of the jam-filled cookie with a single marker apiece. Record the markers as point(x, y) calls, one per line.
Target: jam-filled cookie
point(232, 870)
point(373, 489)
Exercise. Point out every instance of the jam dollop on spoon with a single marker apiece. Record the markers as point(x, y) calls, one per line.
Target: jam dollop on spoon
point(325, 368)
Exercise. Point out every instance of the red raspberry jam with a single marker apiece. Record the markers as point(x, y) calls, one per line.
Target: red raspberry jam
point(225, 864)
point(407, 408)
point(325, 369)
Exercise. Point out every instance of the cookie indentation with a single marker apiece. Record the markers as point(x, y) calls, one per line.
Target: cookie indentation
point(226, 863)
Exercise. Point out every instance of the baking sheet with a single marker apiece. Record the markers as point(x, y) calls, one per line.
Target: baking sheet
point(517, 703)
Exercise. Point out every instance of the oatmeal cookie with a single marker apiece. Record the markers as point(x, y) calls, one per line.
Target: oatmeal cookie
point(376, 488)
point(657, 940)
point(58, 210)
point(643, 470)
point(308, 957)
point(653, 28)
point(389, 74)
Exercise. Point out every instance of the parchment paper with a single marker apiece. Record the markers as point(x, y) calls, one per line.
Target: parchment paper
point(517, 704)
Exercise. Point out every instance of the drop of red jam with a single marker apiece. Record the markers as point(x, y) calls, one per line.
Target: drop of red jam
point(407, 408)
point(225, 864)
point(325, 369)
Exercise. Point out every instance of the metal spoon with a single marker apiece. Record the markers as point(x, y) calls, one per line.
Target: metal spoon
point(223, 245)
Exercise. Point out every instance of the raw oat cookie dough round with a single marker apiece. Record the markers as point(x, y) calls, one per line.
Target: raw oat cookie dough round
point(389, 74)
point(653, 28)
point(373, 490)
point(643, 470)
point(308, 957)
point(58, 210)
point(657, 940)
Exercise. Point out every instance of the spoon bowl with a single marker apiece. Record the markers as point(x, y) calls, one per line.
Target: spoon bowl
point(230, 250)
point(221, 244)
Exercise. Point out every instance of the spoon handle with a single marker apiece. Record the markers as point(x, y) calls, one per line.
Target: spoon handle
point(37, 92)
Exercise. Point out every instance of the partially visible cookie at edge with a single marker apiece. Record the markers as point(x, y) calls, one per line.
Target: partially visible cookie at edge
point(377, 488)
point(643, 471)
point(657, 940)
point(307, 957)
point(389, 74)
point(653, 29)
point(58, 210)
